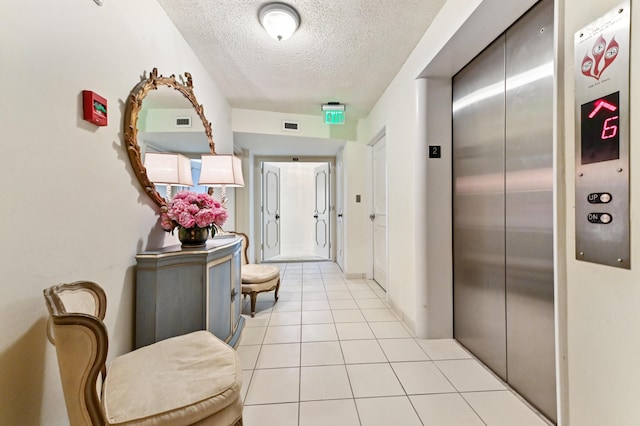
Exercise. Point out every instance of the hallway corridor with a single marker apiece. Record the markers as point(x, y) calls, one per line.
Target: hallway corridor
point(331, 353)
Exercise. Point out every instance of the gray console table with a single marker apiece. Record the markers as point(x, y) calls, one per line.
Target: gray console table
point(180, 290)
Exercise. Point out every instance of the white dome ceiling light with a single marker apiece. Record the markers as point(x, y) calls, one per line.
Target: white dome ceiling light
point(279, 20)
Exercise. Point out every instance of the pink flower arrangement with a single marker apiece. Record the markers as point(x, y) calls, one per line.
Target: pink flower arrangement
point(190, 209)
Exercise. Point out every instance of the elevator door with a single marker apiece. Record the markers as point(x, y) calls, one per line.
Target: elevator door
point(503, 207)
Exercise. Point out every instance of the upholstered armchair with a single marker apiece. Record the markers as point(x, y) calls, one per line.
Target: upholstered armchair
point(193, 379)
point(257, 278)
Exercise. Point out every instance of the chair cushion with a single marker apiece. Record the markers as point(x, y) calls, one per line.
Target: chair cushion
point(260, 287)
point(180, 380)
point(254, 274)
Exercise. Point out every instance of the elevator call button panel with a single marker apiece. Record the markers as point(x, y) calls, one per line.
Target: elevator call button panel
point(602, 51)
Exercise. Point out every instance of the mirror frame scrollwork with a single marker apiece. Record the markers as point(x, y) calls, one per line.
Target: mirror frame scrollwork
point(133, 107)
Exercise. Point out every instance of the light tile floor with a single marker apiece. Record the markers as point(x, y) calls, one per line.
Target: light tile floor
point(331, 353)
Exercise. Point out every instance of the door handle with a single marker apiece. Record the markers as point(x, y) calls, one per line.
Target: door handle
point(277, 216)
point(372, 216)
point(233, 294)
point(339, 214)
point(315, 216)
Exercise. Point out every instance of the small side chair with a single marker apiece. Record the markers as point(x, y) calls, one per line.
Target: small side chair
point(257, 278)
point(193, 379)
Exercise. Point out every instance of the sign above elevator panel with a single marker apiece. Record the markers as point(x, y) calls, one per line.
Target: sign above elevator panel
point(602, 51)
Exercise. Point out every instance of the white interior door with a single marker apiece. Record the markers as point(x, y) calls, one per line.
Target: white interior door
point(321, 213)
point(339, 207)
point(270, 211)
point(379, 215)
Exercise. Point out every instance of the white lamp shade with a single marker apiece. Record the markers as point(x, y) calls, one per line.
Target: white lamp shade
point(166, 168)
point(279, 20)
point(237, 172)
point(218, 170)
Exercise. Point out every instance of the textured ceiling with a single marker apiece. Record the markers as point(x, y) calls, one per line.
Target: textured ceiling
point(345, 50)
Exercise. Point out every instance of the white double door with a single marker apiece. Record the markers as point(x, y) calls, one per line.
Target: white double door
point(271, 213)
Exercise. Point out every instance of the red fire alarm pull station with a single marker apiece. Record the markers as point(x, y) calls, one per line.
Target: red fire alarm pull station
point(95, 108)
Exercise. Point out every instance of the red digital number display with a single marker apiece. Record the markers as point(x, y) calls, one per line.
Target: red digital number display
point(600, 129)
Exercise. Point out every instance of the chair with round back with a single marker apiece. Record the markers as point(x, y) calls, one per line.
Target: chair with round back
point(193, 379)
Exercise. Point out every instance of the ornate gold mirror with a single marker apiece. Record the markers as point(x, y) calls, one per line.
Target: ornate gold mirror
point(158, 119)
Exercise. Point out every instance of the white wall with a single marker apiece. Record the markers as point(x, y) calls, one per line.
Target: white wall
point(244, 200)
point(356, 223)
point(76, 211)
point(602, 302)
point(163, 119)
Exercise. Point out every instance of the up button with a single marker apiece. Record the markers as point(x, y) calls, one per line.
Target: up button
point(599, 198)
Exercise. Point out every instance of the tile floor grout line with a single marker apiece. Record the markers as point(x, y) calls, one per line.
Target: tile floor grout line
point(416, 411)
point(347, 373)
point(472, 408)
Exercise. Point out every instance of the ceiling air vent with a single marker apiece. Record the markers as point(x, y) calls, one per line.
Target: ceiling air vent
point(183, 122)
point(290, 126)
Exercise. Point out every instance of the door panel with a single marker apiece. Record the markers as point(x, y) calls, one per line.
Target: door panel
point(379, 216)
point(270, 211)
point(529, 207)
point(478, 153)
point(220, 315)
point(322, 210)
point(339, 211)
point(236, 290)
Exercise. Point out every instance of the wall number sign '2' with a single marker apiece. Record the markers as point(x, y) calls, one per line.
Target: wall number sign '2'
point(435, 151)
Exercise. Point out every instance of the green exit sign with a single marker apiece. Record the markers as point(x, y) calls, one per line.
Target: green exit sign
point(334, 117)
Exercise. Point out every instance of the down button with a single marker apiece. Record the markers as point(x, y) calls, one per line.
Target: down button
point(604, 218)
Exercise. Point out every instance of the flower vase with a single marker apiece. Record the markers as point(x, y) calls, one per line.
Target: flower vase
point(193, 237)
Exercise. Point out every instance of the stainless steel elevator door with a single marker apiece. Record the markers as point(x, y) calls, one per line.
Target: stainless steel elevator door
point(478, 214)
point(503, 207)
point(529, 208)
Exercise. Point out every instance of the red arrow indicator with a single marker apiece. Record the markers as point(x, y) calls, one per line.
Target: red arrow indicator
point(602, 104)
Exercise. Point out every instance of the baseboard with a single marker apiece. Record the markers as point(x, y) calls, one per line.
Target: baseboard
point(407, 322)
point(355, 276)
